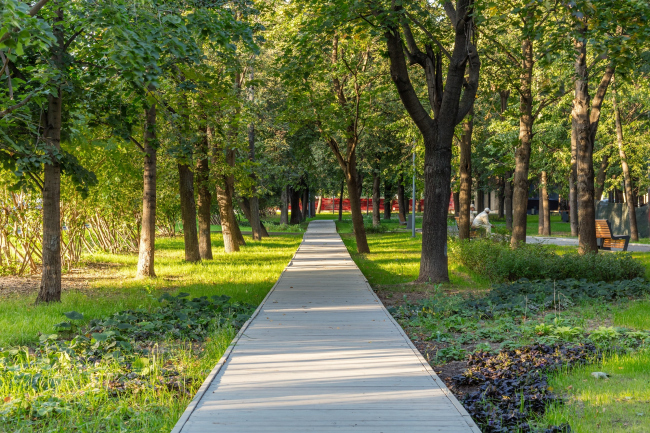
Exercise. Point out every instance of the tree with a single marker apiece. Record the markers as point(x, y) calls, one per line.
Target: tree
point(449, 106)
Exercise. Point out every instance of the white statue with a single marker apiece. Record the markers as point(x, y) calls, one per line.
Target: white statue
point(482, 220)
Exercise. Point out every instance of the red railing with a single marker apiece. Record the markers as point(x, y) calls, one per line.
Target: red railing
point(329, 204)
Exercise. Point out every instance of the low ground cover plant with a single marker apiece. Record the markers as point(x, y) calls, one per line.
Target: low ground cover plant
point(497, 261)
point(120, 372)
point(512, 339)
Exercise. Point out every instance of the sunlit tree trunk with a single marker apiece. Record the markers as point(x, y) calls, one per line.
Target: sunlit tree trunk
point(148, 232)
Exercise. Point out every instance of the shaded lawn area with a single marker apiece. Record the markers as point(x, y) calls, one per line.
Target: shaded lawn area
point(246, 277)
point(558, 228)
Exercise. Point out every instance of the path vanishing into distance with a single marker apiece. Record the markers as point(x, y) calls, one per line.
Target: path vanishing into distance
point(322, 354)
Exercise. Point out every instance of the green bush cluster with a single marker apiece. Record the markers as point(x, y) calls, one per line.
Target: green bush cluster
point(498, 262)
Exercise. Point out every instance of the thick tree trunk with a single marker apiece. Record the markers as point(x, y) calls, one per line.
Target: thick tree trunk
point(573, 184)
point(50, 289)
point(148, 232)
point(236, 230)
point(229, 227)
point(401, 201)
point(284, 207)
point(228, 221)
point(508, 201)
point(585, 120)
point(631, 205)
point(341, 201)
point(376, 182)
point(522, 154)
point(204, 197)
point(188, 212)
point(465, 195)
point(601, 177)
point(296, 215)
point(305, 204)
point(388, 200)
point(355, 206)
point(546, 216)
point(456, 198)
point(245, 205)
point(319, 206)
point(502, 198)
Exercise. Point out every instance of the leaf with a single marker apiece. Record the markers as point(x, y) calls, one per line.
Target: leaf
point(66, 326)
point(182, 295)
point(100, 336)
point(73, 315)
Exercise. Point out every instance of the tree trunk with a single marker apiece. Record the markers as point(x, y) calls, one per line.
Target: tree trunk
point(50, 289)
point(256, 224)
point(376, 182)
point(284, 207)
point(573, 183)
point(188, 212)
point(341, 201)
point(245, 205)
point(355, 206)
point(305, 204)
point(228, 222)
point(501, 197)
point(296, 215)
point(204, 197)
point(465, 195)
point(601, 177)
point(522, 155)
point(388, 200)
point(540, 207)
point(224, 197)
point(148, 232)
point(508, 201)
point(546, 216)
point(236, 230)
point(480, 198)
point(631, 205)
point(319, 206)
point(456, 198)
point(586, 123)
point(401, 201)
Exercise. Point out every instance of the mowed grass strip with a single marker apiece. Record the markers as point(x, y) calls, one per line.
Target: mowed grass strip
point(246, 276)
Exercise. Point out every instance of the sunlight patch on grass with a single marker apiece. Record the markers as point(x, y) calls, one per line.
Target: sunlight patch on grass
point(636, 316)
point(245, 276)
point(616, 404)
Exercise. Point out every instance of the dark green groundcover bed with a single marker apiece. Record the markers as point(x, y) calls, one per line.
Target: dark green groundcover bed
point(537, 333)
point(114, 374)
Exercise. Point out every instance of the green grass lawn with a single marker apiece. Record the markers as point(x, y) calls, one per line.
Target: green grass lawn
point(246, 276)
point(619, 403)
point(55, 388)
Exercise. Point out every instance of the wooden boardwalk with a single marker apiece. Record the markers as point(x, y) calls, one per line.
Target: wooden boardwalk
point(322, 354)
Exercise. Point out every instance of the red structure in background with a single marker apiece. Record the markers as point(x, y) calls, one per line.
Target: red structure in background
point(330, 204)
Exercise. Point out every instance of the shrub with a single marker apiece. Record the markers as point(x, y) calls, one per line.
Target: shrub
point(497, 261)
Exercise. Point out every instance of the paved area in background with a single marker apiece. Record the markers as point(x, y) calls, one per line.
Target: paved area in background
point(322, 354)
point(574, 242)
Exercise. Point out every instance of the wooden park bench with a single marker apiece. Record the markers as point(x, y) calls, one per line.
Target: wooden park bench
point(606, 240)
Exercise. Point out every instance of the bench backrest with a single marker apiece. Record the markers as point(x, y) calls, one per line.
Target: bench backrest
point(602, 229)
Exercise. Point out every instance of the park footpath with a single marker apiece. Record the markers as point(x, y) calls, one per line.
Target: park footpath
point(322, 354)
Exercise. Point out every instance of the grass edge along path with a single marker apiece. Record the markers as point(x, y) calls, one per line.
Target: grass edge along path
point(89, 384)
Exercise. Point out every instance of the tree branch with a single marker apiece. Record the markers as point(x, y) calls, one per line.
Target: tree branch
point(430, 36)
point(136, 143)
point(18, 105)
